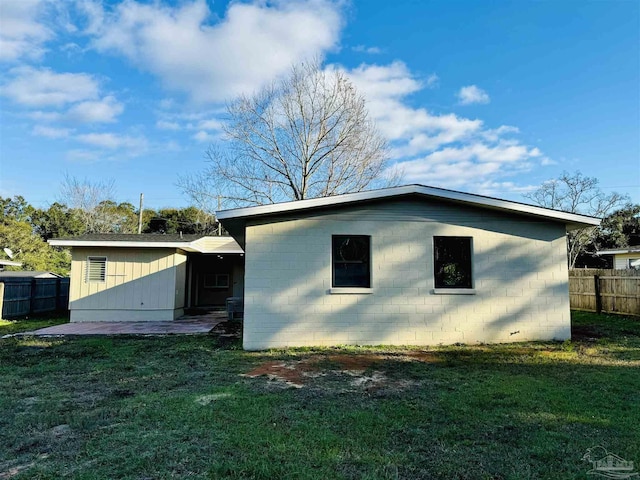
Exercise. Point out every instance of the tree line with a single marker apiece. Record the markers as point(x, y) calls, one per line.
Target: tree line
point(25, 229)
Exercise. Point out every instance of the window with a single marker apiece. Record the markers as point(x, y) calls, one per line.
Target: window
point(452, 262)
point(96, 269)
point(216, 280)
point(351, 261)
point(634, 263)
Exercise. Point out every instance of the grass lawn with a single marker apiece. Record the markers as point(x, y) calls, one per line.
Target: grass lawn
point(8, 327)
point(188, 407)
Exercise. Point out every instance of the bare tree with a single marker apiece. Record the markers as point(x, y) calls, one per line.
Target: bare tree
point(93, 205)
point(307, 135)
point(576, 193)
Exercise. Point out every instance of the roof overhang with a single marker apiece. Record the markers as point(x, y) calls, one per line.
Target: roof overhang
point(235, 220)
point(213, 245)
point(620, 251)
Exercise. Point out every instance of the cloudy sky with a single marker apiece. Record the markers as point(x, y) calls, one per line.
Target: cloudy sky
point(485, 97)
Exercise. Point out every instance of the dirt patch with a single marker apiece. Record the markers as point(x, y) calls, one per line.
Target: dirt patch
point(355, 362)
point(290, 373)
point(424, 357)
point(365, 372)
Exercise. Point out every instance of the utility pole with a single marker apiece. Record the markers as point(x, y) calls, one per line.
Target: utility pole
point(140, 214)
point(219, 208)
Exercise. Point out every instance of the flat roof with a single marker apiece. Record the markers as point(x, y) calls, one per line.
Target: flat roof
point(235, 219)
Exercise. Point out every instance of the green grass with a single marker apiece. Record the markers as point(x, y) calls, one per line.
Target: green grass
point(8, 327)
point(178, 407)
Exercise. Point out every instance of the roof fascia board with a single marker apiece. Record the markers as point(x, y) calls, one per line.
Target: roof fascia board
point(190, 247)
point(505, 205)
point(115, 243)
point(618, 252)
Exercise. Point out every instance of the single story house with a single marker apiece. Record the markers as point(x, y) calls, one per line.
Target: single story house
point(624, 258)
point(410, 265)
point(150, 277)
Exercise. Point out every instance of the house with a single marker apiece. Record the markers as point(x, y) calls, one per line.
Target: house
point(409, 265)
point(150, 277)
point(624, 258)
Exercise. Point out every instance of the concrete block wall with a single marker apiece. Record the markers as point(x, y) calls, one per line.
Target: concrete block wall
point(519, 271)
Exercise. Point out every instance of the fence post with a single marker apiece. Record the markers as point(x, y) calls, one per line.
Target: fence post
point(1, 298)
point(32, 296)
point(596, 288)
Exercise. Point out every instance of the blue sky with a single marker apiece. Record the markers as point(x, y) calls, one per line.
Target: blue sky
point(485, 97)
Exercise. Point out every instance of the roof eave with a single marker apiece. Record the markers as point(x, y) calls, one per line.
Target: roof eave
point(101, 243)
point(571, 220)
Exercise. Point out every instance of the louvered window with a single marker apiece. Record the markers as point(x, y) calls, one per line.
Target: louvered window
point(96, 269)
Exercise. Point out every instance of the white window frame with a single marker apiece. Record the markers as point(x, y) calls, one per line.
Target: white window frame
point(87, 272)
point(216, 277)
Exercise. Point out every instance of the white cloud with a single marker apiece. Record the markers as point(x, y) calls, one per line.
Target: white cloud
point(209, 60)
point(440, 149)
point(42, 87)
point(51, 132)
point(472, 94)
point(432, 81)
point(203, 137)
point(365, 49)
point(100, 111)
point(113, 141)
point(164, 125)
point(21, 34)
point(79, 155)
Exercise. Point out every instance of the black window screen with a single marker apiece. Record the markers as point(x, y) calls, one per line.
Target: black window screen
point(452, 262)
point(351, 261)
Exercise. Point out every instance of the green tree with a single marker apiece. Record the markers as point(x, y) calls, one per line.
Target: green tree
point(56, 221)
point(620, 229)
point(16, 208)
point(29, 249)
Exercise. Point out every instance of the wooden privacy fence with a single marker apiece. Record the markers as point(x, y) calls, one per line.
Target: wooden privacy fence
point(610, 291)
point(25, 296)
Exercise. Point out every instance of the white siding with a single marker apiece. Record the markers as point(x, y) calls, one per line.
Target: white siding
point(520, 279)
point(140, 284)
point(621, 261)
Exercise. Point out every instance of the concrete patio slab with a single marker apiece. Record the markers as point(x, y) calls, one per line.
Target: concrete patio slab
point(188, 325)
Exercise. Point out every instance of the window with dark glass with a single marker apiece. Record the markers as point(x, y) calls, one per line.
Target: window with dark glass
point(452, 262)
point(351, 261)
point(216, 280)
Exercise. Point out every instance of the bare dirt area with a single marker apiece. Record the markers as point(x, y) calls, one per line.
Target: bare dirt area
point(364, 372)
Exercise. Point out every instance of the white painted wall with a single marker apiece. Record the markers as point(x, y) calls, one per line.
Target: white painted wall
point(141, 284)
point(520, 275)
